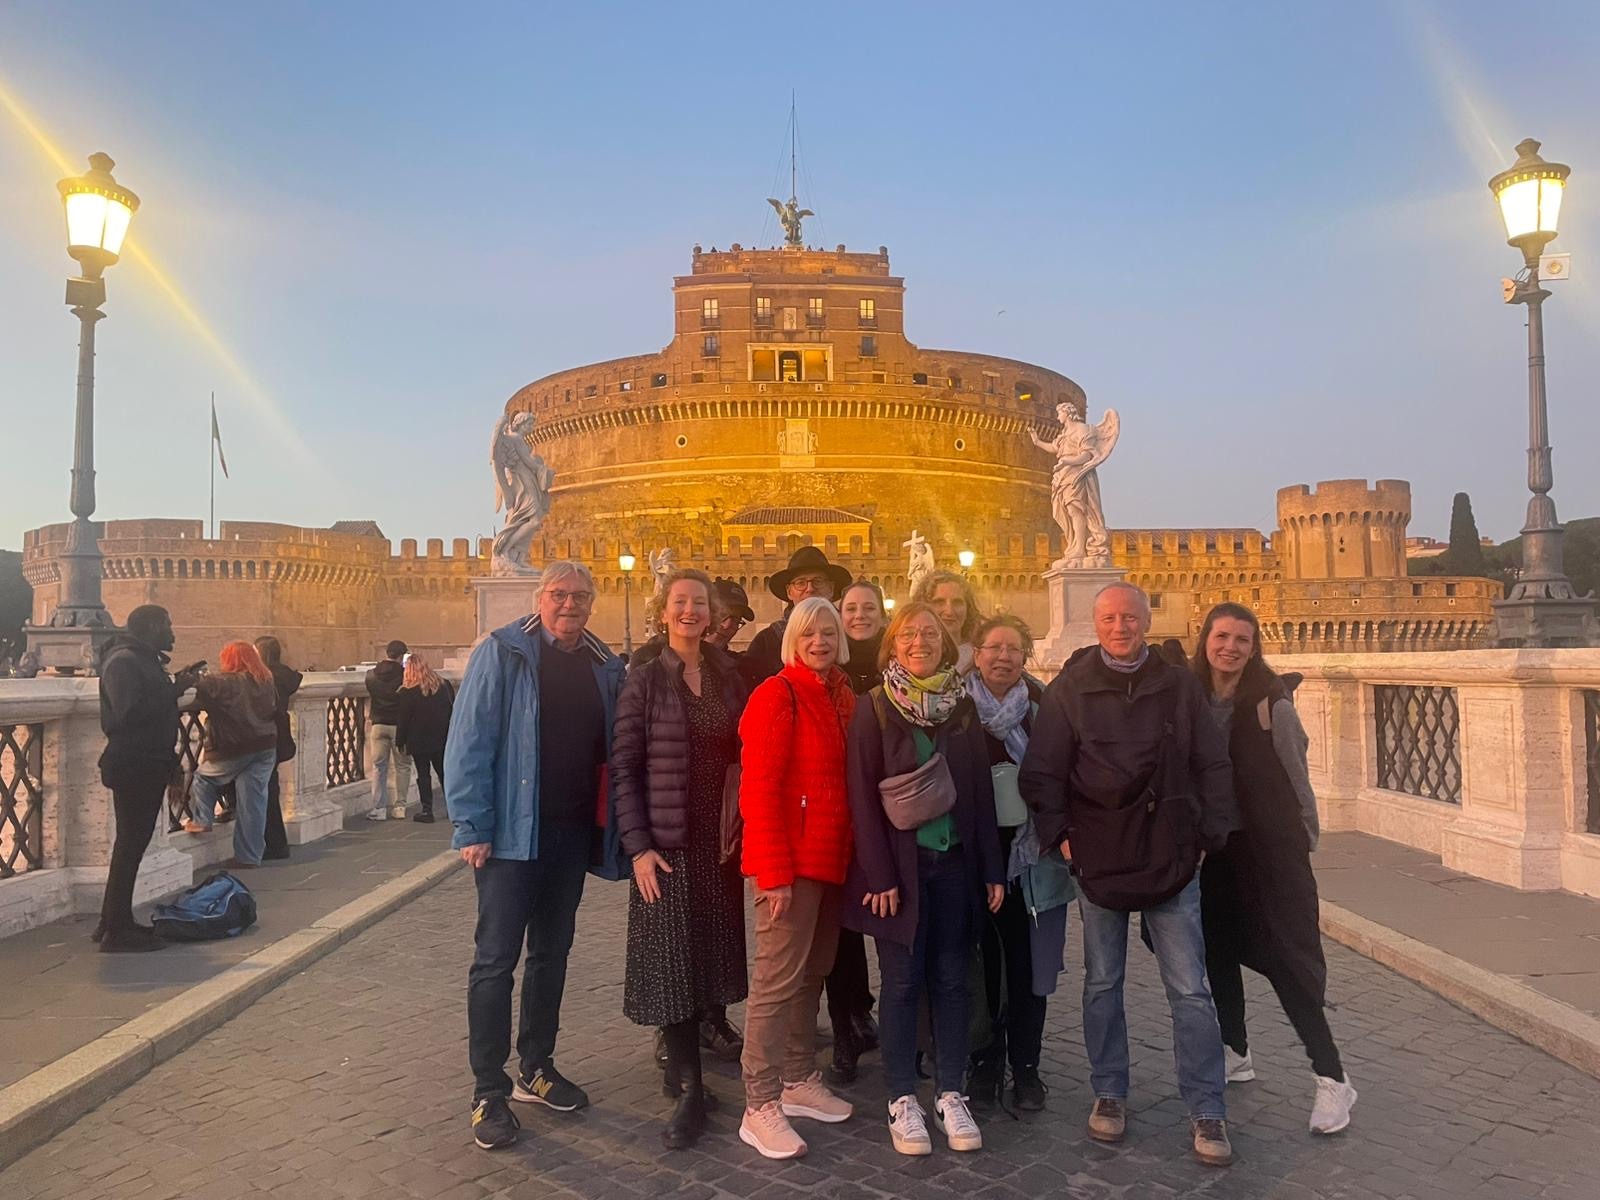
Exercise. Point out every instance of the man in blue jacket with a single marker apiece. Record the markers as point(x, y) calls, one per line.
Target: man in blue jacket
point(530, 733)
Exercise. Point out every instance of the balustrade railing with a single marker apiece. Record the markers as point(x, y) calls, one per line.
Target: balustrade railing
point(191, 737)
point(1418, 740)
point(1591, 738)
point(21, 798)
point(347, 740)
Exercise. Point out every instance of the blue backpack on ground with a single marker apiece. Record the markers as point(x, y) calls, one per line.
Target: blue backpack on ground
point(218, 907)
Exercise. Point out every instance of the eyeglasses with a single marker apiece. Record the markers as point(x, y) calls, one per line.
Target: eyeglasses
point(811, 582)
point(908, 637)
point(581, 599)
point(1002, 650)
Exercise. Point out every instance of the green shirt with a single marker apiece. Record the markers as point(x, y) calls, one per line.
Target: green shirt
point(939, 833)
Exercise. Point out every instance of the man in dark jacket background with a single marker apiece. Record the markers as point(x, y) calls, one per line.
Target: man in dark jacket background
point(809, 573)
point(139, 716)
point(383, 711)
point(1128, 775)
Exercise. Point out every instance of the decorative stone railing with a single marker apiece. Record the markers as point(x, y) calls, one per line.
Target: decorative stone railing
point(1488, 758)
point(56, 820)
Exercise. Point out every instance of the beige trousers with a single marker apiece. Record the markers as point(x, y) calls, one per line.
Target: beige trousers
point(794, 954)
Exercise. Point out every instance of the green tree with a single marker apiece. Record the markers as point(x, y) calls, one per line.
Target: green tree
point(1465, 555)
point(16, 602)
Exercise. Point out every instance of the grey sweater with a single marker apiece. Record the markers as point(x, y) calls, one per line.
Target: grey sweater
point(1290, 741)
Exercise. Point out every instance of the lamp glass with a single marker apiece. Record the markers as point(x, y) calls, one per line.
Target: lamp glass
point(626, 561)
point(888, 604)
point(1530, 206)
point(966, 558)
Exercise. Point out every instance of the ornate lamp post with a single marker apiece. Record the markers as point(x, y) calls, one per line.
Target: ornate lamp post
point(627, 562)
point(1543, 609)
point(98, 211)
point(966, 558)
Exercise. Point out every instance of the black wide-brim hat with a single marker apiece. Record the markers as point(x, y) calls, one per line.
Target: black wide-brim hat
point(809, 558)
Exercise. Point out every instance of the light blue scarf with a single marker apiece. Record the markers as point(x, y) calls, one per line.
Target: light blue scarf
point(1002, 719)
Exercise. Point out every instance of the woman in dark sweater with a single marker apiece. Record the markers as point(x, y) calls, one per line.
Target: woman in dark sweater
point(675, 739)
point(1258, 896)
point(426, 702)
point(286, 682)
point(918, 891)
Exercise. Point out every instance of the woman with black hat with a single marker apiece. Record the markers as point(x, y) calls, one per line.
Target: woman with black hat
point(809, 573)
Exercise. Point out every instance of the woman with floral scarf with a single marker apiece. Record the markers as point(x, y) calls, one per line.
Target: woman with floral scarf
point(920, 891)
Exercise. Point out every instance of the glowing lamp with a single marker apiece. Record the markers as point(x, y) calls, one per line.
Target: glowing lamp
point(966, 558)
point(1529, 194)
point(888, 604)
point(99, 210)
point(626, 562)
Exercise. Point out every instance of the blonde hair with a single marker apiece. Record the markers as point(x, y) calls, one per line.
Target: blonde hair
point(803, 620)
point(655, 608)
point(420, 675)
point(931, 583)
point(949, 653)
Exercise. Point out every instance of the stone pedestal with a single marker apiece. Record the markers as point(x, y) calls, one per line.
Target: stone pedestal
point(1072, 592)
point(501, 599)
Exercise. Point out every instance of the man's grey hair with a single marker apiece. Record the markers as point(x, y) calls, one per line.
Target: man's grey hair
point(1123, 584)
point(564, 571)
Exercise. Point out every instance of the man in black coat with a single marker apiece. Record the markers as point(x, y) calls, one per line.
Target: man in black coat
point(1128, 775)
point(809, 573)
point(139, 716)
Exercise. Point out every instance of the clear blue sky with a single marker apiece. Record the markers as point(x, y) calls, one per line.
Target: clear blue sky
point(1261, 231)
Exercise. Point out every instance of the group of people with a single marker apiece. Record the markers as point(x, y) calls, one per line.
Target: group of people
point(246, 735)
point(408, 720)
point(900, 777)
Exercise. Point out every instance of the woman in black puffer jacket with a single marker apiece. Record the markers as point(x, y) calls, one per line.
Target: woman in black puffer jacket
point(676, 737)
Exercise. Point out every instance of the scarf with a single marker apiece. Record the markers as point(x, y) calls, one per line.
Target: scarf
point(1003, 718)
point(924, 702)
point(1122, 667)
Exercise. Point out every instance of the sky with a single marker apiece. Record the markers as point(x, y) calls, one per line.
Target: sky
point(1259, 231)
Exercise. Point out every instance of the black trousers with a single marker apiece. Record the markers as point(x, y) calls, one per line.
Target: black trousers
point(1016, 1014)
point(1305, 1013)
point(536, 900)
point(849, 989)
point(277, 835)
point(424, 782)
point(137, 804)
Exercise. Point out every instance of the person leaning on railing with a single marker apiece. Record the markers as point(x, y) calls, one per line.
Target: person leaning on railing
point(241, 747)
point(139, 716)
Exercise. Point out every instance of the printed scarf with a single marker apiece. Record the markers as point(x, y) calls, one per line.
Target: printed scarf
point(923, 702)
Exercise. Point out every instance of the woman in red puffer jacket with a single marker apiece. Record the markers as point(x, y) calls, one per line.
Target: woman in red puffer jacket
point(796, 847)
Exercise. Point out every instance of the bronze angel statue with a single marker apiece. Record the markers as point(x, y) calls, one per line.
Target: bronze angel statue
point(789, 216)
point(522, 483)
point(1079, 449)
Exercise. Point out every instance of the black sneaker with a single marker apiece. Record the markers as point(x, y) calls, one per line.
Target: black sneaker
point(985, 1077)
point(548, 1086)
point(721, 1038)
point(425, 817)
point(1027, 1089)
point(493, 1123)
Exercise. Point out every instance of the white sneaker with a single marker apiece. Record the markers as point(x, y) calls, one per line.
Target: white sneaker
point(908, 1126)
point(1240, 1068)
point(378, 814)
point(954, 1119)
point(1330, 1111)
point(398, 814)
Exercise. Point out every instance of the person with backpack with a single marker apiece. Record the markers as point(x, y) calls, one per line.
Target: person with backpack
point(1258, 896)
point(1024, 943)
point(139, 716)
point(425, 703)
point(241, 747)
point(1127, 774)
point(796, 847)
point(287, 681)
point(926, 860)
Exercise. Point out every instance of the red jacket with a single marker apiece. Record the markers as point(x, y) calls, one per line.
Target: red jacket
point(792, 790)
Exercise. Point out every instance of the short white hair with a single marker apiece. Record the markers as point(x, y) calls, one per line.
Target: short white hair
point(1144, 600)
point(563, 570)
point(803, 620)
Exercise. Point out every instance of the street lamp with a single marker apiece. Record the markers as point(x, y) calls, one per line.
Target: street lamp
point(966, 558)
point(98, 212)
point(627, 562)
point(1543, 609)
point(888, 604)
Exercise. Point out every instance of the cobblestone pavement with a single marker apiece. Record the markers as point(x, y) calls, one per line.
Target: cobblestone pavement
point(351, 1081)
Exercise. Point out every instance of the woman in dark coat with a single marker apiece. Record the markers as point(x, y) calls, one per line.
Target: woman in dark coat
point(920, 891)
point(1258, 896)
point(675, 739)
point(425, 702)
point(286, 680)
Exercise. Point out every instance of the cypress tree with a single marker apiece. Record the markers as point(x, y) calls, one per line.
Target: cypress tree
point(1465, 555)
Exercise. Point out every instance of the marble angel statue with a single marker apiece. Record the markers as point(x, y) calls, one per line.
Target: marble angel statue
point(921, 564)
point(1079, 450)
point(522, 483)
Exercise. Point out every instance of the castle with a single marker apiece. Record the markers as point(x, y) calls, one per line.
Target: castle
point(789, 408)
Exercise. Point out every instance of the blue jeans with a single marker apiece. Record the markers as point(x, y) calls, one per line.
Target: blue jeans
point(250, 774)
point(1181, 956)
point(938, 961)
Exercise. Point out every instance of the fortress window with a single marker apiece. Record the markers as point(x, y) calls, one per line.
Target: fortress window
point(659, 379)
point(879, 377)
point(991, 383)
point(625, 386)
point(953, 381)
point(868, 311)
point(1155, 600)
point(869, 346)
point(814, 311)
point(919, 377)
point(763, 310)
point(1449, 589)
point(591, 389)
point(1238, 545)
point(709, 346)
point(1416, 589)
point(1158, 545)
point(710, 312)
point(1211, 544)
point(789, 366)
point(1024, 391)
point(569, 395)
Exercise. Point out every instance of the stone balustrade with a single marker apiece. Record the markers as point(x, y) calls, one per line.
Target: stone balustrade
point(56, 820)
point(1488, 758)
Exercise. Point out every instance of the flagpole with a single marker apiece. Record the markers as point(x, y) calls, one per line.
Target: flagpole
point(212, 455)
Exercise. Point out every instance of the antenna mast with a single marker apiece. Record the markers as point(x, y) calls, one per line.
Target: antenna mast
point(794, 191)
